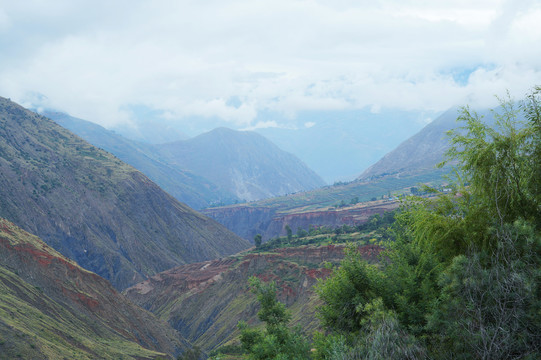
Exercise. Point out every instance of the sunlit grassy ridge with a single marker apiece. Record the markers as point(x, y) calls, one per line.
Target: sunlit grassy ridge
point(34, 326)
point(50, 307)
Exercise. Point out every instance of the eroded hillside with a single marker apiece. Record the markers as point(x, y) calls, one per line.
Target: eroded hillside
point(205, 301)
point(50, 307)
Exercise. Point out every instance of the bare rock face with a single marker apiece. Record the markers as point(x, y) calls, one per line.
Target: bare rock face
point(95, 209)
point(247, 221)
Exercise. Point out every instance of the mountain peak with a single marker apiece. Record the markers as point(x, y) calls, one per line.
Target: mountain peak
point(244, 163)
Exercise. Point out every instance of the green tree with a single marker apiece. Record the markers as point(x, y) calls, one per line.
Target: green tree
point(301, 232)
point(277, 341)
point(463, 275)
point(257, 240)
point(289, 233)
point(191, 354)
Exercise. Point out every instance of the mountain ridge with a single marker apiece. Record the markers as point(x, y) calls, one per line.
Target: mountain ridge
point(94, 208)
point(185, 186)
point(243, 162)
point(50, 307)
point(221, 166)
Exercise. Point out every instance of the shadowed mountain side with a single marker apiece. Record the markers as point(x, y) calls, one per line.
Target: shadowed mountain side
point(52, 308)
point(195, 191)
point(242, 162)
point(94, 208)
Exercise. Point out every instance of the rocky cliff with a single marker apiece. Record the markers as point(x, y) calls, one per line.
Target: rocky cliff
point(247, 221)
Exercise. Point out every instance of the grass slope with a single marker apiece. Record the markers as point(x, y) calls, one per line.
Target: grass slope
point(52, 308)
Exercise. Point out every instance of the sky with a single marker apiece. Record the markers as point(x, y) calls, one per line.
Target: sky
point(226, 63)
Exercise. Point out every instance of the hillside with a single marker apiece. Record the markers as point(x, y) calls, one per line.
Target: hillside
point(247, 221)
point(333, 205)
point(205, 301)
point(243, 163)
point(406, 167)
point(95, 209)
point(52, 308)
point(419, 153)
point(187, 187)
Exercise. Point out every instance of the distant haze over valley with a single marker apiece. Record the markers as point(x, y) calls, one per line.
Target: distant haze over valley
point(336, 145)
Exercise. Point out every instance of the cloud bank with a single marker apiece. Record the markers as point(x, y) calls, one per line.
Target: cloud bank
point(95, 59)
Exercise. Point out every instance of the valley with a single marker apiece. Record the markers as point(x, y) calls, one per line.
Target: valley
point(97, 261)
point(205, 301)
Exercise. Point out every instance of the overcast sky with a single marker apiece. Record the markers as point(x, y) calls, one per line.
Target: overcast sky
point(233, 60)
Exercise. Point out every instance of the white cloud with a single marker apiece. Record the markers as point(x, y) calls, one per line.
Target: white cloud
point(188, 58)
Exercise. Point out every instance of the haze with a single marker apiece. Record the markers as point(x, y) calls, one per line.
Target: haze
point(197, 65)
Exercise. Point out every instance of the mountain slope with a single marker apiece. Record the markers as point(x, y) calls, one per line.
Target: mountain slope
point(52, 308)
point(95, 209)
point(419, 153)
point(205, 301)
point(195, 191)
point(242, 162)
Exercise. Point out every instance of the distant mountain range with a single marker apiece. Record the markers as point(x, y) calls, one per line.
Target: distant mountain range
point(184, 185)
point(338, 145)
point(51, 308)
point(95, 209)
point(411, 163)
point(242, 162)
point(222, 166)
point(421, 153)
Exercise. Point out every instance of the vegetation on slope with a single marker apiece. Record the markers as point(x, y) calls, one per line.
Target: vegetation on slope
point(52, 308)
point(205, 301)
point(462, 279)
point(94, 208)
point(187, 187)
point(374, 231)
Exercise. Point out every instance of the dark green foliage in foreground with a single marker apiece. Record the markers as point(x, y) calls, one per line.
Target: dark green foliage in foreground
point(462, 280)
point(277, 341)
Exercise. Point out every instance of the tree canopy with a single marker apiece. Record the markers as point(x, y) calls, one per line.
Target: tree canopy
point(462, 279)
